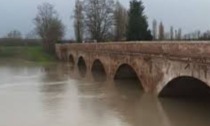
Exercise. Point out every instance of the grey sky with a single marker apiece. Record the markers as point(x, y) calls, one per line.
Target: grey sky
point(190, 15)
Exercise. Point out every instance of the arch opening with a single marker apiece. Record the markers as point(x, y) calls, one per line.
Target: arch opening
point(71, 60)
point(82, 66)
point(127, 79)
point(186, 87)
point(64, 54)
point(98, 71)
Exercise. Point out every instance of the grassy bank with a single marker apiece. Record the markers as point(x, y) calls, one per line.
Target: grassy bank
point(30, 53)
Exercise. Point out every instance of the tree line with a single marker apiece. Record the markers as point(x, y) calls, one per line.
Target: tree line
point(159, 33)
point(48, 27)
point(105, 20)
point(94, 20)
point(102, 21)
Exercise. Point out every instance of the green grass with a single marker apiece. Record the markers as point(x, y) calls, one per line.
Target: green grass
point(30, 53)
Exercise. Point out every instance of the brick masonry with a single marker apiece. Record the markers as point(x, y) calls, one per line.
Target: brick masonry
point(155, 63)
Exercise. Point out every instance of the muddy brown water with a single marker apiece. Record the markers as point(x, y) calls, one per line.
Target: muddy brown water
point(53, 95)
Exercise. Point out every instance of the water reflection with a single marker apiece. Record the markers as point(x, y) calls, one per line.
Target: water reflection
point(185, 113)
point(134, 107)
point(82, 67)
point(53, 87)
point(98, 71)
point(54, 96)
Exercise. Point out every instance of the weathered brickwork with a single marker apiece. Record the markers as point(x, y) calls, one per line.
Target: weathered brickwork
point(155, 63)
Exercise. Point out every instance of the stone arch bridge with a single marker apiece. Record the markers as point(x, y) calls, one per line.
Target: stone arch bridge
point(163, 68)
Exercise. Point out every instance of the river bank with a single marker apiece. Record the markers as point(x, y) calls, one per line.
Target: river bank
point(27, 53)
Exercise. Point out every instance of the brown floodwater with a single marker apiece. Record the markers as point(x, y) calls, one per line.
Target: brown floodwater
point(54, 95)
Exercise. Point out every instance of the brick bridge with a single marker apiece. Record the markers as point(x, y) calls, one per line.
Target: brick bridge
point(162, 68)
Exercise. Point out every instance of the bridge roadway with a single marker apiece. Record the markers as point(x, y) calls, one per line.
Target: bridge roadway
point(173, 68)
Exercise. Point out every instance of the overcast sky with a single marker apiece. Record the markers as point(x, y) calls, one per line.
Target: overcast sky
point(189, 15)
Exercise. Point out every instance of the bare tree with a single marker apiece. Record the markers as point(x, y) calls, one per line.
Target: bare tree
point(31, 35)
point(154, 29)
point(99, 18)
point(198, 34)
point(78, 21)
point(14, 34)
point(161, 31)
point(120, 20)
point(48, 26)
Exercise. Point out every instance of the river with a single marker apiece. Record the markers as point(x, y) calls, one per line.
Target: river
point(53, 95)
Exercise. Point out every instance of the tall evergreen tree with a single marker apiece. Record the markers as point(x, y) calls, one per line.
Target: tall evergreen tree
point(137, 22)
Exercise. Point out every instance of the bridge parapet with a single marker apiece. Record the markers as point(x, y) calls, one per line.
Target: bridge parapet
point(195, 49)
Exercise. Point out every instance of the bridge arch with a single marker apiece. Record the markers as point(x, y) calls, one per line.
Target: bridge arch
point(82, 67)
point(98, 71)
point(71, 59)
point(185, 87)
point(127, 75)
point(63, 54)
